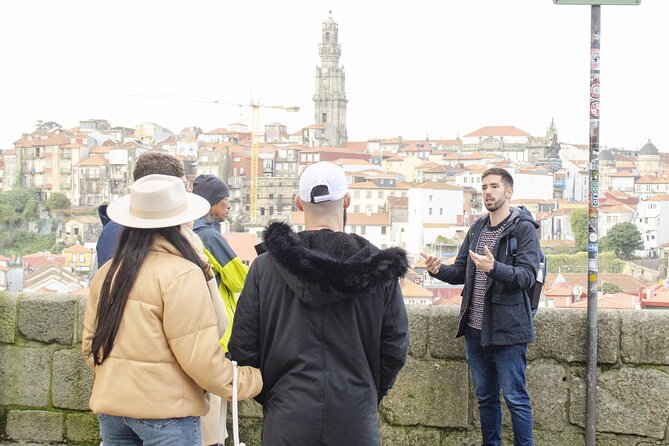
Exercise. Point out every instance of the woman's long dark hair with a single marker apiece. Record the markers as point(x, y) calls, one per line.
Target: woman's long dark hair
point(133, 247)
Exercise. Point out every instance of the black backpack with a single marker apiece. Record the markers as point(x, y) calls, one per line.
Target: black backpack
point(535, 291)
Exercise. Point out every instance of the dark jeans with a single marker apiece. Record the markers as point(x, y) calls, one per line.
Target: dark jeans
point(126, 431)
point(494, 367)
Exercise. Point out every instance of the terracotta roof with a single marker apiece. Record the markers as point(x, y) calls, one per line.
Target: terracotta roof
point(626, 282)
point(243, 244)
point(660, 197)
point(94, 160)
point(498, 130)
point(623, 173)
point(435, 185)
point(77, 249)
point(359, 146)
point(413, 290)
point(612, 301)
point(616, 209)
point(647, 179)
point(363, 185)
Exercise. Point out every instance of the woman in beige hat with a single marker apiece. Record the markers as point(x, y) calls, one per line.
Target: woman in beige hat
point(150, 332)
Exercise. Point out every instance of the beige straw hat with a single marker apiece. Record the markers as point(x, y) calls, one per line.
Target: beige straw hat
point(157, 201)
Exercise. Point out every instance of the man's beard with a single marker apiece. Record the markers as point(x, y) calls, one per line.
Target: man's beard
point(495, 205)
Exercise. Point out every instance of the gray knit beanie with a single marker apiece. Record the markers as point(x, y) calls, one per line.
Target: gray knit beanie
point(210, 188)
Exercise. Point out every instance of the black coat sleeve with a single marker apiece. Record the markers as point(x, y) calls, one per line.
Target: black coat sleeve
point(244, 342)
point(394, 339)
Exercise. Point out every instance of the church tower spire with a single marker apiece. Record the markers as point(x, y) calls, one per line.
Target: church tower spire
point(330, 95)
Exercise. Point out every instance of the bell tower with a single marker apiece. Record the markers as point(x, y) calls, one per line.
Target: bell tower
point(330, 95)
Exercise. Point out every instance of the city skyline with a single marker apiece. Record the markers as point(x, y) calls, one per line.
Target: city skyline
point(427, 70)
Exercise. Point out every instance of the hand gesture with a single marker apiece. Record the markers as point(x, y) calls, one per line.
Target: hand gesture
point(485, 262)
point(431, 263)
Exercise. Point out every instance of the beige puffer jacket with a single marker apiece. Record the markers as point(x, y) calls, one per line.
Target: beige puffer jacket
point(166, 350)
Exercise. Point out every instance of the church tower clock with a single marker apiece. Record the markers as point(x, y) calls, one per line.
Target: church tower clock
point(330, 96)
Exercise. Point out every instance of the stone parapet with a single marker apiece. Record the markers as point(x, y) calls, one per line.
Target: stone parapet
point(45, 384)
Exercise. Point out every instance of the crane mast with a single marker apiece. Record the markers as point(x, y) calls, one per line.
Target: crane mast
point(255, 123)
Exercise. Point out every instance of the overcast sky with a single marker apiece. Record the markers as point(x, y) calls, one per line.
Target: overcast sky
point(422, 68)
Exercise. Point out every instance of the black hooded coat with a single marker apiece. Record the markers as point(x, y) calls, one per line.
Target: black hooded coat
point(322, 315)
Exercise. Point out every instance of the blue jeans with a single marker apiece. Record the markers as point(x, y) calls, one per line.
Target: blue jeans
point(122, 431)
point(494, 367)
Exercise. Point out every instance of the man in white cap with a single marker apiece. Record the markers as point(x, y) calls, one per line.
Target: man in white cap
point(322, 315)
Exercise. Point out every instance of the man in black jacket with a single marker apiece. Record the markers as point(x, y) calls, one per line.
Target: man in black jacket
point(495, 315)
point(321, 314)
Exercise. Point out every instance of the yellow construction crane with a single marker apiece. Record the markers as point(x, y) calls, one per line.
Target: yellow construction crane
point(255, 106)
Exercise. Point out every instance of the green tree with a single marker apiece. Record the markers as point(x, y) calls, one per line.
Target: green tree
point(623, 239)
point(57, 201)
point(19, 199)
point(7, 215)
point(579, 226)
point(609, 288)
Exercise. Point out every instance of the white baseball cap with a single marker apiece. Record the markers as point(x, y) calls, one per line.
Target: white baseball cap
point(323, 174)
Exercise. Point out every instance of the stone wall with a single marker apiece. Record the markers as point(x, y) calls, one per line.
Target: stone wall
point(45, 385)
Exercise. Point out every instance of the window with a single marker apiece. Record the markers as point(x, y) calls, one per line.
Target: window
point(380, 194)
point(356, 208)
point(429, 211)
point(363, 230)
point(324, 118)
point(369, 194)
point(429, 198)
point(383, 230)
point(356, 194)
point(82, 258)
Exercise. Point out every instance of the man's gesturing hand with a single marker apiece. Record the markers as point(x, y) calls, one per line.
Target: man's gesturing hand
point(484, 263)
point(431, 263)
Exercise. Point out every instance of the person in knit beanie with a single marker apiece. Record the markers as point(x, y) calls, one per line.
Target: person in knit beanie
point(229, 269)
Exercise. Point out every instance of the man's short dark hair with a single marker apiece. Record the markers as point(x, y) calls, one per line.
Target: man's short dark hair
point(151, 163)
point(507, 179)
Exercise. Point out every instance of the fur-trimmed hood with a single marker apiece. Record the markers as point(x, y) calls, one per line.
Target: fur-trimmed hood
point(325, 266)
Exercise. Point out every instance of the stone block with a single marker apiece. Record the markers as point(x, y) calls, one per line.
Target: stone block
point(546, 438)
point(250, 431)
point(645, 337)
point(72, 380)
point(629, 401)
point(442, 329)
point(81, 427)
point(561, 335)
point(25, 375)
point(249, 409)
point(462, 438)
point(402, 436)
point(419, 320)
point(80, 316)
point(548, 387)
point(8, 317)
point(34, 425)
point(48, 318)
point(429, 393)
